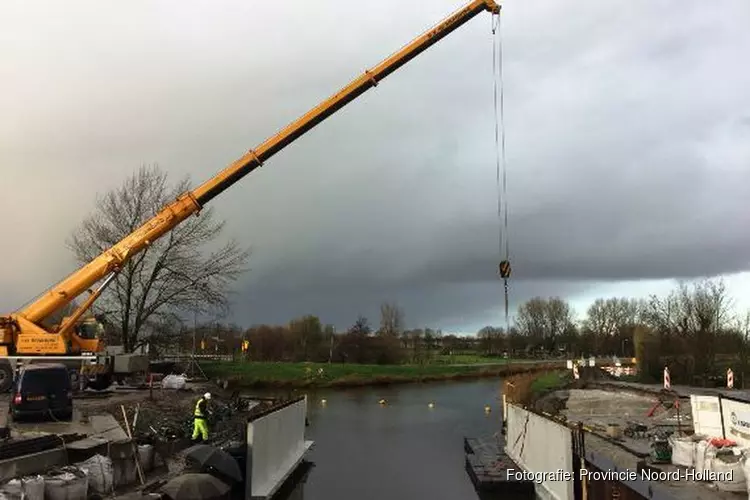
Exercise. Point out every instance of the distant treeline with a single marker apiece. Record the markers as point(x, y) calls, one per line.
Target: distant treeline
point(693, 330)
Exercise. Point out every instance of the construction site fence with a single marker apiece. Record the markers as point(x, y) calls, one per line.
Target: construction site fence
point(200, 357)
point(722, 415)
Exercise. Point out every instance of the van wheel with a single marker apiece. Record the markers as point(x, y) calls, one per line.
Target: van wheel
point(6, 377)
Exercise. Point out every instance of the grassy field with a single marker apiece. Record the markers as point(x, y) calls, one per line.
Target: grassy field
point(548, 382)
point(465, 359)
point(256, 374)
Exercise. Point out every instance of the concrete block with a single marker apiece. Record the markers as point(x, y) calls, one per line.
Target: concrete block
point(107, 427)
point(121, 450)
point(124, 472)
point(81, 450)
point(131, 363)
point(35, 463)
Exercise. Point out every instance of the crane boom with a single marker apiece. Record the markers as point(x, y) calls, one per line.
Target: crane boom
point(191, 202)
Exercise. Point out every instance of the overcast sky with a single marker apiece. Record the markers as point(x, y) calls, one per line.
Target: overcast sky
point(628, 146)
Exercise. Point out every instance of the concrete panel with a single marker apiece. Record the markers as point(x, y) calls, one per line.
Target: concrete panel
point(530, 442)
point(736, 421)
point(706, 415)
point(131, 363)
point(35, 463)
point(275, 446)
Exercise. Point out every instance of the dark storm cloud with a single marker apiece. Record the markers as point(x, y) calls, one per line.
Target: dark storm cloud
point(627, 133)
point(451, 307)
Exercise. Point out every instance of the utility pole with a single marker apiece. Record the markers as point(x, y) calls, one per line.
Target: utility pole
point(330, 349)
point(192, 355)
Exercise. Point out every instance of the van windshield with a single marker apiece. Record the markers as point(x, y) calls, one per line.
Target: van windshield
point(42, 381)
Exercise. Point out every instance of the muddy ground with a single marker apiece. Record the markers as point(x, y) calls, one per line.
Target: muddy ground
point(168, 415)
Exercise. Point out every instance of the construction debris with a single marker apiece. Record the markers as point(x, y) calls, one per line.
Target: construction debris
point(116, 440)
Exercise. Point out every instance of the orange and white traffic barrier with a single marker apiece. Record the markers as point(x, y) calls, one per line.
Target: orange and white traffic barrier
point(667, 381)
point(576, 375)
point(730, 379)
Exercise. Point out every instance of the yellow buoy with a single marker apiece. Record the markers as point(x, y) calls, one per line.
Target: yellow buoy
point(431, 405)
point(487, 409)
point(323, 401)
point(382, 402)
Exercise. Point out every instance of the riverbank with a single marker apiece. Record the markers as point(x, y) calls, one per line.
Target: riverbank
point(305, 375)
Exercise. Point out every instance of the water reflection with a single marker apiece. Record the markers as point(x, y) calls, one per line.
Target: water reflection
point(403, 449)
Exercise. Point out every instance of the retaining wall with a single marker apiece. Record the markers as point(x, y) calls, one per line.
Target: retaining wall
point(275, 447)
point(538, 444)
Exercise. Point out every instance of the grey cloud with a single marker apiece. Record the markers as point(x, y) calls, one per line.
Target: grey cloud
point(626, 126)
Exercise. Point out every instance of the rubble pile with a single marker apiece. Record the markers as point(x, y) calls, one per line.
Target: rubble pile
point(169, 415)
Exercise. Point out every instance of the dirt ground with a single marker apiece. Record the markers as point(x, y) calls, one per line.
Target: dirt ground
point(168, 415)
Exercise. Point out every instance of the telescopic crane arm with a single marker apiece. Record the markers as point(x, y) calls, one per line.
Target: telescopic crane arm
point(109, 262)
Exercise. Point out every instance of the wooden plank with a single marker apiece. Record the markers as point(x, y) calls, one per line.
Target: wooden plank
point(487, 466)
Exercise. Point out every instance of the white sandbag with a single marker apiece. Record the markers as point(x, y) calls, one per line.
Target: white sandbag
point(33, 487)
point(683, 451)
point(146, 457)
point(700, 455)
point(746, 470)
point(69, 483)
point(12, 490)
point(174, 382)
point(26, 488)
point(730, 473)
point(100, 473)
point(709, 458)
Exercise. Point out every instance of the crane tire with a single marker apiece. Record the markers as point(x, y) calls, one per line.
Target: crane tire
point(100, 382)
point(6, 377)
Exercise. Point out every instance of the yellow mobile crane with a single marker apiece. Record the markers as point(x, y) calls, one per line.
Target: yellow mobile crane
point(24, 338)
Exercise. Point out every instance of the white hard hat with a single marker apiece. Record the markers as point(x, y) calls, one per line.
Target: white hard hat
point(207, 395)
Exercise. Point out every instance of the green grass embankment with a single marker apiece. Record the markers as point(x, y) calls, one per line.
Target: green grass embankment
point(549, 382)
point(298, 375)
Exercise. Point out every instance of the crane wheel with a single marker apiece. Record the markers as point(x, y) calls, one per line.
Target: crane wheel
point(6, 377)
point(100, 382)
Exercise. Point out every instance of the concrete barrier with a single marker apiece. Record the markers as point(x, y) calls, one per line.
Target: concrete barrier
point(35, 463)
point(542, 448)
point(276, 445)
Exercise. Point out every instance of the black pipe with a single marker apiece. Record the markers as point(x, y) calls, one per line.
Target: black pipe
point(721, 416)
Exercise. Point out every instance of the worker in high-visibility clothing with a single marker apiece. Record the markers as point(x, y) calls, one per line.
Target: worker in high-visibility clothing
point(200, 425)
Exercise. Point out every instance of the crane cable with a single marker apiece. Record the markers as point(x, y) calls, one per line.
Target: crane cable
point(500, 161)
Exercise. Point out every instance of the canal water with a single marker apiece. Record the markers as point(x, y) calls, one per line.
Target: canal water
point(400, 450)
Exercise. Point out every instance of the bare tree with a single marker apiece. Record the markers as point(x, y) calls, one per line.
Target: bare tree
point(391, 319)
point(361, 327)
point(743, 329)
point(559, 317)
point(307, 335)
point(545, 320)
point(532, 318)
point(177, 273)
point(417, 341)
point(489, 339)
point(695, 314)
point(609, 317)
